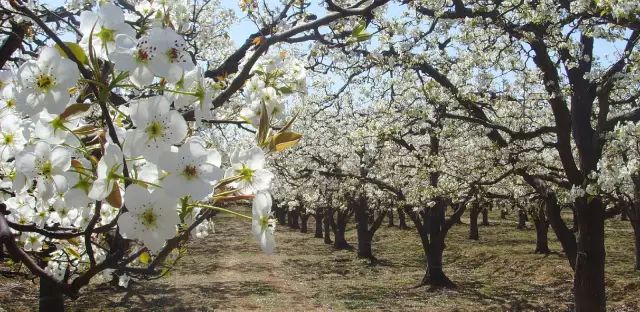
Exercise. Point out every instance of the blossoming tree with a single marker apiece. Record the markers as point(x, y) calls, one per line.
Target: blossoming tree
point(108, 161)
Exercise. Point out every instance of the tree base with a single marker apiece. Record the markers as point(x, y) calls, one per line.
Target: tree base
point(437, 279)
point(543, 250)
point(372, 259)
point(343, 246)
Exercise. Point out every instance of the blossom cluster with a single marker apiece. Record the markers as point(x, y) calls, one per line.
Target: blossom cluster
point(94, 145)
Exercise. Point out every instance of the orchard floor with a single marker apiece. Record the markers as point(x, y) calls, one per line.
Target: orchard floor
point(226, 272)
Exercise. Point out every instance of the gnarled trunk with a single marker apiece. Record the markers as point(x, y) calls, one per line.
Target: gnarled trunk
point(339, 229)
point(390, 216)
point(589, 276)
point(633, 212)
point(363, 218)
point(522, 219)
point(432, 231)
point(434, 275)
point(318, 217)
point(552, 210)
point(636, 234)
point(51, 298)
point(326, 221)
point(294, 222)
point(280, 212)
point(303, 223)
point(542, 229)
point(473, 222)
point(402, 220)
point(485, 216)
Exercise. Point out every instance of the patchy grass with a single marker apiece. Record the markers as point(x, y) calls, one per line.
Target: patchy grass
point(226, 272)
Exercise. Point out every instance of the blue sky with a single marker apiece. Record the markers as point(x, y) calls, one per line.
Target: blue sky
point(244, 28)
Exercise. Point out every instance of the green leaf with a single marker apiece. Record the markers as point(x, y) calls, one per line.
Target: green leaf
point(75, 48)
point(74, 109)
point(286, 90)
point(185, 208)
point(72, 252)
point(263, 129)
point(359, 29)
point(363, 37)
point(86, 130)
point(284, 140)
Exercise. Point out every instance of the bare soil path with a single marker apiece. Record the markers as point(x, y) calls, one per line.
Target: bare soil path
point(226, 272)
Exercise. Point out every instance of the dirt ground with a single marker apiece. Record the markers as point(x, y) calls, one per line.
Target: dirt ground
point(226, 272)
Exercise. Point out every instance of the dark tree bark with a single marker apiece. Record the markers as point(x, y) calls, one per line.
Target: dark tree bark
point(589, 274)
point(294, 220)
point(51, 298)
point(574, 222)
point(339, 226)
point(326, 221)
point(304, 218)
point(281, 213)
point(522, 219)
point(552, 209)
point(366, 228)
point(503, 214)
point(318, 217)
point(485, 216)
point(390, 217)
point(402, 220)
point(432, 228)
point(542, 229)
point(636, 234)
point(362, 218)
point(453, 209)
point(13, 41)
point(624, 216)
point(473, 221)
point(632, 211)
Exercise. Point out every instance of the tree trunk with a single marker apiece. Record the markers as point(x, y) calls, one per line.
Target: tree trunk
point(633, 212)
point(453, 209)
point(542, 229)
point(303, 223)
point(433, 245)
point(522, 219)
point(364, 246)
point(318, 217)
point(281, 213)
point(485, 216)
point(589, 274)
point(390, 216)
point(624, 216)
point(363, 217)
point(574, 227)
point(294, 222)
point(503, 214)
point(473, 222)
point(636, 234)
point(340, 242)
point(51, 298)
point(326, 221)
point(563, 233)
point(434, 274)
point(402, 219)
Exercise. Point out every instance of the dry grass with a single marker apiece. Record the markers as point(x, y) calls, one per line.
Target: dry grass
point(226, 272)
